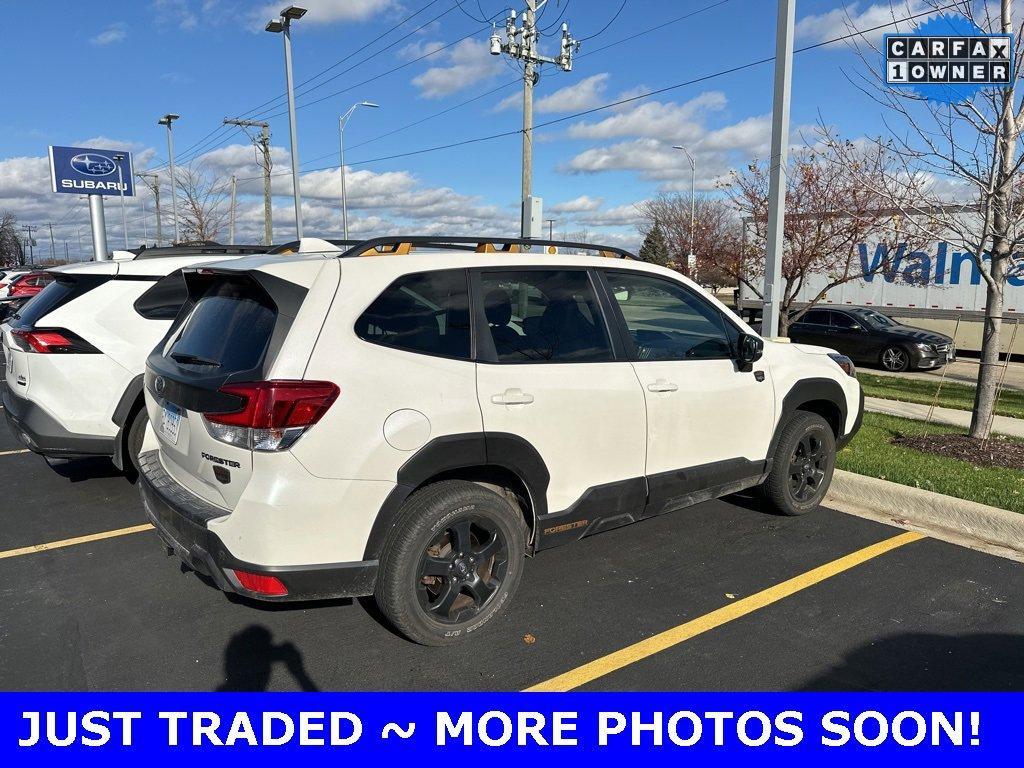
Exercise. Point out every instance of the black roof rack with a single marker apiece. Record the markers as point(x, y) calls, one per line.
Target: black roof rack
point(400, 245)
point(198, 249)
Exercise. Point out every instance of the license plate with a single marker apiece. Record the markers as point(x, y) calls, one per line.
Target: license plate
point(170, 420)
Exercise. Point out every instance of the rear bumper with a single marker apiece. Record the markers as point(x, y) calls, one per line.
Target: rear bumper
point(38, 431)
point(181, 520)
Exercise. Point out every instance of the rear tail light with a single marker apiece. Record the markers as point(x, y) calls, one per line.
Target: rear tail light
point(261, 583)
point(272, 415)
point(47, 341)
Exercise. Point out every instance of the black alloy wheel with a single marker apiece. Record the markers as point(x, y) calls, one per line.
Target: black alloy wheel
point(807, 467)
point(461, 569)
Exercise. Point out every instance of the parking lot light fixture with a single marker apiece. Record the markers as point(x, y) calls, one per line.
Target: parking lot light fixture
point(284, 25)
point(166, 121)
point(342, 122)
point(691, 261)
point(119, 158)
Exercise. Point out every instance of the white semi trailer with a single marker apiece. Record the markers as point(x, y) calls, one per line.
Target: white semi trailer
point(932, 288)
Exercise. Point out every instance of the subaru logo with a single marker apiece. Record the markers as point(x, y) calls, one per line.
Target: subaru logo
point(93, 165)
point(160, 385)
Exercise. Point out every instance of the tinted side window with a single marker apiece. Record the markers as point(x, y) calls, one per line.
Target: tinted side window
point(426, 312)
point(544, 316)
point(842, 320)
point(667, 321)
point(815, 317)
point(164, 299)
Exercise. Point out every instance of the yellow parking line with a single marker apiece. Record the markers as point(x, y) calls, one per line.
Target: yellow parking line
point(574, 678)
point(11, 453)
point(72, 542)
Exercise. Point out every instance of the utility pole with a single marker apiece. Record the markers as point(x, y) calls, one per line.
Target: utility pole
point(262, 144)
point(777, 169)
point(152, 180)
point(53, 248)
point(67, 256)
point(231, 218)
point(551, 228)
point(521, 43)
point(31, 243)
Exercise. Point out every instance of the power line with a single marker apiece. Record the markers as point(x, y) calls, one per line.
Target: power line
point(605, 27)
point(345, 58)
point(648, 94)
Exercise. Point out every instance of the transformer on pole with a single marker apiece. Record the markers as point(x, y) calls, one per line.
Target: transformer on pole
point(520, 42)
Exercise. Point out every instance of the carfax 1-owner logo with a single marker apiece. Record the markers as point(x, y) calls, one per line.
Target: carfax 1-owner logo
point(948, 59)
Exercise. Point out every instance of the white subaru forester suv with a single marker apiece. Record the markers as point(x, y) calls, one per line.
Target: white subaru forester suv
point(413, 416)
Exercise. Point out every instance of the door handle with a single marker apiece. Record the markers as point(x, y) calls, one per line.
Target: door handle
point(662, 385)
point(512, 396)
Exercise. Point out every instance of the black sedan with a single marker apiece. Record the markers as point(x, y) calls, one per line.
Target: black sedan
point(871, 338)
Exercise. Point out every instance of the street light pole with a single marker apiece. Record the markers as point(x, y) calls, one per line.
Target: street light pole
point(777, 170)
point(166, 120)
point(691, 260)
point(284, 24)
point(342, 122)
point(120, 189)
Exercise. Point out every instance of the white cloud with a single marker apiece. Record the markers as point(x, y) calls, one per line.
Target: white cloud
point(115, 33)
point(587, 93)
point(619, 216)
point(176, 13)
point(419, 48)
point(581, 204)
point(655, 119)
point(466, 64)
point(852, 17)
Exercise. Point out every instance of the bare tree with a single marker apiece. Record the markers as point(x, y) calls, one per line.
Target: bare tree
point(203, 197)
point(971, 146)
point(832, 206)
point(11, 252)
point(715, 235)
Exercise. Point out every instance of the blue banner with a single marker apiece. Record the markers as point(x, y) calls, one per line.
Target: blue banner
point(83, 171)
point(506, 728)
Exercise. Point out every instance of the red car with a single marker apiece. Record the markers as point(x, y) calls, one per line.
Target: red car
point(29, 284)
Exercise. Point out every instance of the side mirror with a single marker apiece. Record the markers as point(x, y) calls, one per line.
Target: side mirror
point(856, 327)
point(748, 350)
point(622, 295)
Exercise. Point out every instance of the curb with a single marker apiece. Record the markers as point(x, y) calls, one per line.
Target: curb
point(908, 506)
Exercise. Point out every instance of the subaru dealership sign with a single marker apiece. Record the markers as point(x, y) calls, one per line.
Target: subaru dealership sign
point(82, 171)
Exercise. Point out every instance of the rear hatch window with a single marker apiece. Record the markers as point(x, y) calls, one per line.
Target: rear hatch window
point(229, 330)
point(63, 289)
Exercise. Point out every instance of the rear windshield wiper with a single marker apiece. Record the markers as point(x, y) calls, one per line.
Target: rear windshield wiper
point(187, 359)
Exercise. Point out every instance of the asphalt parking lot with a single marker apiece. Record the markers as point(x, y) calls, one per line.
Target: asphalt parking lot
point(718, 597)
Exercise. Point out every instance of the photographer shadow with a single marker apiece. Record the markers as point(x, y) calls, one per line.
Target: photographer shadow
point(929, 662)
point(249, 659)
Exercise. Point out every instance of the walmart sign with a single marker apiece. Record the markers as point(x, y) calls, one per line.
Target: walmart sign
point(82, 171)
point(947, 265)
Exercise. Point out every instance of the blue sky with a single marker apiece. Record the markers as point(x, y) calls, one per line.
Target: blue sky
point(100, 74)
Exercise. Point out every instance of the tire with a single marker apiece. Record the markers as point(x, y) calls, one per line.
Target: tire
point(430, 593)
point(133, 442)
point(895, 359)
point(802, 467)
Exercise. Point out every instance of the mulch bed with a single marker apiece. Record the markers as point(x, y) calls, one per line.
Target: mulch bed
point(985, 453)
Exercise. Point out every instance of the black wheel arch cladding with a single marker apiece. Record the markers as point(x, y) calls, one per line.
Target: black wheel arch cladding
point(453, 452)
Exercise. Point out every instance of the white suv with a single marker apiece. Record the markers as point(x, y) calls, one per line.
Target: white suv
point(75, 352)
point(412, 417)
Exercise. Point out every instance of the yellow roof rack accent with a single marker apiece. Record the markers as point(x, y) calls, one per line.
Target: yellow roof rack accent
point(391, 249)
point(505, 248)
